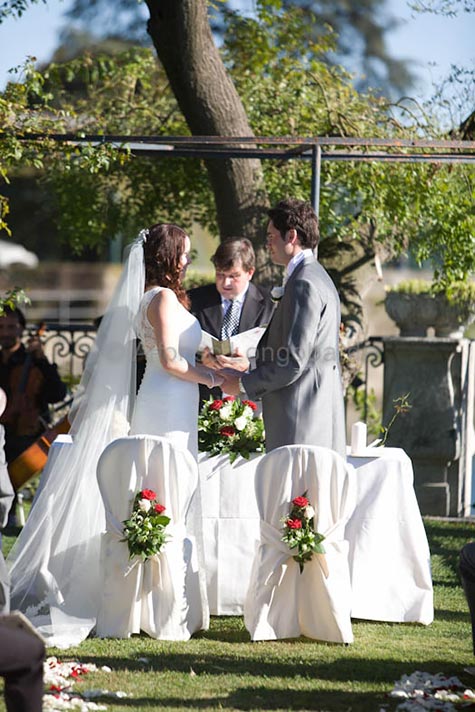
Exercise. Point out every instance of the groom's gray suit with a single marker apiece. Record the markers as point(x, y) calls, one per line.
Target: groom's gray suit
point(297, 372)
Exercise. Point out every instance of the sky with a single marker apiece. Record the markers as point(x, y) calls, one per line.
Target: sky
point(432, 42)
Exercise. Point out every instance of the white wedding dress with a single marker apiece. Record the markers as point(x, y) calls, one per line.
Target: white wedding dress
point(167, 405)
point(55, 565)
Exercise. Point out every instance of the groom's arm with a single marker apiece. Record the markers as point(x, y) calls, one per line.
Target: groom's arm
point(294, 347)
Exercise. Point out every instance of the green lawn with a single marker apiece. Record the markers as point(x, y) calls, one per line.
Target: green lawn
point(222, 669)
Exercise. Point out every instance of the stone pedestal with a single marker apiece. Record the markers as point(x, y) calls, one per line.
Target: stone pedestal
point(437, 433)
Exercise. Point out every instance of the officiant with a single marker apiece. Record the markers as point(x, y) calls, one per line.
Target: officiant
point(232, 304)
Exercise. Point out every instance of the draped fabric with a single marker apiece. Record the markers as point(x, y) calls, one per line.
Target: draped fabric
point(163, 596)
point(55, 563)
point(282, 602)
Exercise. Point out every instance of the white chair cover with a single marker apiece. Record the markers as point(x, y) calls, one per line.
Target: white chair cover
point(163, 596)
point(282, 602)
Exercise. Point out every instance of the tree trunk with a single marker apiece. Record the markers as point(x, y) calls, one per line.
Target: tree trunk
point(209, 101)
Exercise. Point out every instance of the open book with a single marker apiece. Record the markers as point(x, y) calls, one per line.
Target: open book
point(246, 342)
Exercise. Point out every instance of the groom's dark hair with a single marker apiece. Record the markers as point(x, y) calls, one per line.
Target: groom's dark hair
point(299, 215)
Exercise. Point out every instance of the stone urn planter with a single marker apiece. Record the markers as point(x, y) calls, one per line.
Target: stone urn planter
point(414, 308)
point(453, 318)
point(413, 313)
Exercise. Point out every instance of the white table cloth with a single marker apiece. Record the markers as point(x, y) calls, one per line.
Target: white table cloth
point(389, 553)
point(230, 529)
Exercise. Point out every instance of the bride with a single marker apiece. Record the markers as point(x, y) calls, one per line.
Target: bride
point(54, 565)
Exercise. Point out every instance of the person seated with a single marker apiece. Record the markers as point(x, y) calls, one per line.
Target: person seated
point(30, 382)
point(232, 304)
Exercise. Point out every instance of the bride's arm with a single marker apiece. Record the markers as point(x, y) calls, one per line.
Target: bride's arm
point(163, 314)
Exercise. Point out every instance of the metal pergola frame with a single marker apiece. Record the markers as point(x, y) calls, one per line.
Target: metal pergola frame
point(284, 148)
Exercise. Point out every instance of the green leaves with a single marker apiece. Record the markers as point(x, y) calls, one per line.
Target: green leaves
point(144, 531)
point(229, 426)
point(13, 298)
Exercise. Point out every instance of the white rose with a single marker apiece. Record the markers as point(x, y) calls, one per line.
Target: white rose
point(144, 505)
point(225, 411)
point(240, 423)
point(248, 412)
point(309, 512)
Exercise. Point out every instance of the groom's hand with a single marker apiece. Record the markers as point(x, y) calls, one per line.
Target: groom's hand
point(230, 385)
point(238, 361)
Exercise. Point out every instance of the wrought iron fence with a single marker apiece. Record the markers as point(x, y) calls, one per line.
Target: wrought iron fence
point(67, 345)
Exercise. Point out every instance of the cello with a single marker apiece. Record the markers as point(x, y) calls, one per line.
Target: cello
point(32, 460)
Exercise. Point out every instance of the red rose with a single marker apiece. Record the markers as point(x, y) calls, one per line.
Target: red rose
point(148, 494)
point(228, 399)
point(251, 404)
point(227, 430)
point(300, 502)
point(216, 405)
point(159, 508)
point(294, 523)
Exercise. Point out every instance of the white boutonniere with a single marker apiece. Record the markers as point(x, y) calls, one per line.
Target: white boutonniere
point(277, 293)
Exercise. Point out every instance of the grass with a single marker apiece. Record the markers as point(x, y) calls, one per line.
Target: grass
point(222, 669)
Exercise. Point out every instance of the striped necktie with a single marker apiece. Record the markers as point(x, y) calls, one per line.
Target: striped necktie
point(230, 324)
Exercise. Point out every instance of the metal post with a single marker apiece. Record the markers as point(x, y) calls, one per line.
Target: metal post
point(316, 172)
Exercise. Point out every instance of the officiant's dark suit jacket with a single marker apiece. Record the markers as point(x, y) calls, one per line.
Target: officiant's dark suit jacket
point(297, 372)
point(206, 306)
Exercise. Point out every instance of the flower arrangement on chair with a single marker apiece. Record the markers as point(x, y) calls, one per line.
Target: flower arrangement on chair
point(231, 426)
point(299, 533)
point(144, 531)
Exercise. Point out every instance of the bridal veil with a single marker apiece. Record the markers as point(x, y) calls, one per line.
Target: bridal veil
point(54, 565)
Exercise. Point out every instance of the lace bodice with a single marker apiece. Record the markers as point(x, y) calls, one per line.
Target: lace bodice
point(190, 331)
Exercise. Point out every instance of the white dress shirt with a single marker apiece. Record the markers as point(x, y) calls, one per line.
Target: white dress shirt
point(296, 260)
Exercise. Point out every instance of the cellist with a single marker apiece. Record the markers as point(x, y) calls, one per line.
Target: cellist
point(30, 381)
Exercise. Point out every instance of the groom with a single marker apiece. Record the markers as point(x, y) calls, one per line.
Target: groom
point(297, 372)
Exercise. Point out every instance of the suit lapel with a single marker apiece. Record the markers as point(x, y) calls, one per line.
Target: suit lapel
point(306, 261)
point(214, 319)
point(251, 309)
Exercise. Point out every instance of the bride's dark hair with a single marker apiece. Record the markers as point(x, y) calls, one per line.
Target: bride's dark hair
point(163, 248)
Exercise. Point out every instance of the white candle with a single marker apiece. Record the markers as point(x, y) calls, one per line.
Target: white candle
point(358, 437)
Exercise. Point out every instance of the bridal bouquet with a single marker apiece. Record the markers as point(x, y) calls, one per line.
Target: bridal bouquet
point(299, 533)
point(144, 531)
point(231, 426)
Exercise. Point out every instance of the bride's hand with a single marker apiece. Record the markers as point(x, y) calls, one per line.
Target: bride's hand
point(209, 360)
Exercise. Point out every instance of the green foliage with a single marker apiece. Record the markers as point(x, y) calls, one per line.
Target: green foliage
point(373, 415)
point(411, 286)
point(102, 190)
point(13, 298)
point(456, 292)
point(229, 426)
point(288, 87)
point(15, 8)
point(299, 532)
point(145, 530)
point(450, 8)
